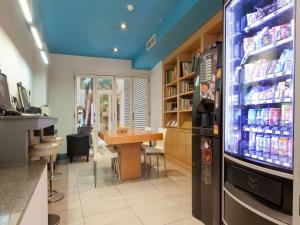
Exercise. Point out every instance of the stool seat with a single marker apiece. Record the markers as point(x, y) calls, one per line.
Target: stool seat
point(43, 150)
point(52, 139)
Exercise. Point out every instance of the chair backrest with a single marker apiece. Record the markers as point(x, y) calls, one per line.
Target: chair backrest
point(147, 129)
point(162, 143)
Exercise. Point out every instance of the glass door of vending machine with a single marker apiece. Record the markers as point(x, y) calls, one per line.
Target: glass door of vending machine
point(258, 112)
point(259, 84)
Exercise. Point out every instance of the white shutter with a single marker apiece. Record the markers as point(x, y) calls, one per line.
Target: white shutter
point(141, 103)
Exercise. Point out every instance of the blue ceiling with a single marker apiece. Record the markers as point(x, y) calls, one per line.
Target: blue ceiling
point(92, 27)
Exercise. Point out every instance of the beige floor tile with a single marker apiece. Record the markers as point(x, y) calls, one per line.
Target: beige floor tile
point(167, 185)
point(190, 221)
point(103, 206)
point(173, 191)
point(144, 197)
point(100, 198)
point(70, 193)
point(132, 221)
point(98, 192)
point(182, 199)
point(187, 207)
point(153, 206)
point(110, 217)
point(64, 206)
point(134, 187)
point(164, 216)
point(70, 217)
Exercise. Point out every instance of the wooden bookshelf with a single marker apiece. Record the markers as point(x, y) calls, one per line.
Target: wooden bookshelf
point(179, 139)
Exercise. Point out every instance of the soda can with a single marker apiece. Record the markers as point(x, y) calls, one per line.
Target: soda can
point(259, 143)
point(267, 144)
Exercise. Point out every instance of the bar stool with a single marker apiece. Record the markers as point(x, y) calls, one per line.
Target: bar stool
point(44, 150)
point(57, 140)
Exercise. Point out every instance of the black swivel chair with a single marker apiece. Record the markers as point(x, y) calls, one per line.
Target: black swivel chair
point(79, 144)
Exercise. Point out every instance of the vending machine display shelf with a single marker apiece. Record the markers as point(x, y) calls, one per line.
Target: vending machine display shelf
point(270, 17)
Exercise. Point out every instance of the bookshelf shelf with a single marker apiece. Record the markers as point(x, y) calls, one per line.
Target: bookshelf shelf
point(167, 112)
point(172, 84)
point(190, 76)
point(189, 93)
point(185, 110)
point(170, 98)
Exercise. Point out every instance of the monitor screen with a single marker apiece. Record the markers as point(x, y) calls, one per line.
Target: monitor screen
point(23, 97)
point(4, 93)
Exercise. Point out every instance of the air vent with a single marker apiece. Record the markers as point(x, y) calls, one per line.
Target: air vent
point(151, 42)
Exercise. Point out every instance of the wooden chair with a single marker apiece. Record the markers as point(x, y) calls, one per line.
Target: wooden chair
point(158, 149)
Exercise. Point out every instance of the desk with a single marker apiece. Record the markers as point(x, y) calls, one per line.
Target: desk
point(130, 149)
point(14, 136)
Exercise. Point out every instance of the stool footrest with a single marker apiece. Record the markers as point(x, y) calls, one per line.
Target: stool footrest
point(55, 196)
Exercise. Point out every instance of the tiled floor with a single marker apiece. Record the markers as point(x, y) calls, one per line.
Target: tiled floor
point(156, 200)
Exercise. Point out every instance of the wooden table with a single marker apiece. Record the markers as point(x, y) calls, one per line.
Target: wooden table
point(130, 149)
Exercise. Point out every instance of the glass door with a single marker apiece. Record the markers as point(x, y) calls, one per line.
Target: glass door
point(84, 104)
point(105, 108)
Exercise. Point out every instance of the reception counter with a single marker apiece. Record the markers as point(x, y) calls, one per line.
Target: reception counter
point(14, 132)
point(23, 194)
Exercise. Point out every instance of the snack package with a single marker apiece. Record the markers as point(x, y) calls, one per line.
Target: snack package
point(262, 38)
point(286, 114)
point(274, 116)
point(289, 62)
point(264, 67)
point(259, 143)
point(252, 117)
point(283, 144)
point(265, 117)
point(249, 68)
point(274, 145)
point(280, 90)
point(249, 45)
point(256, 70)
point(252, 141)
point(272, 67)
point(251, 18)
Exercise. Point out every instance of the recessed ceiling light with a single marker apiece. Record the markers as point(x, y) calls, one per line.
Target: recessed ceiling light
point(115, 49)
point(123, 26)
point(130, 7)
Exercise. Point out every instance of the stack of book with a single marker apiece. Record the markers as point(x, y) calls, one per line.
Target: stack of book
point(170, 91)
point(171, 75)
point(185, 104)
point(186, 68)
point(171, 106)
point(187, 86)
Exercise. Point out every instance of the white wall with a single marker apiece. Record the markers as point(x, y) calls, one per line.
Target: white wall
point(156, 96)
point(61, 84)
point(19, 57)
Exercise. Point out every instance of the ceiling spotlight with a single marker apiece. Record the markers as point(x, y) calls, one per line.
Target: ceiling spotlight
point(123, 26)
point(115, 49)
point(130, 7)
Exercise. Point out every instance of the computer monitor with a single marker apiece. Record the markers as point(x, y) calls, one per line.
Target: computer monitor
point(23, 95)
point(5, 102)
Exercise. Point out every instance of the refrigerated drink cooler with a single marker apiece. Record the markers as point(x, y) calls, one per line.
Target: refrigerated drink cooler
point(259, 112)
point(206, 139)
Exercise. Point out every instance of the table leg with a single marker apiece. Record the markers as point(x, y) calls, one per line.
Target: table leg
point(130, 161)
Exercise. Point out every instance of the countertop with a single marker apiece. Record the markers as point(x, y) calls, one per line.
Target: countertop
point(17, 185)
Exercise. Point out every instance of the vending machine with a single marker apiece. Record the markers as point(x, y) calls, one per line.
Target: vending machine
point(207, 136)
point(259, 113)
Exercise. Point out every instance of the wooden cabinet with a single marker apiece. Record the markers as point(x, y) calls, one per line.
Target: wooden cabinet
point(179, 146)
